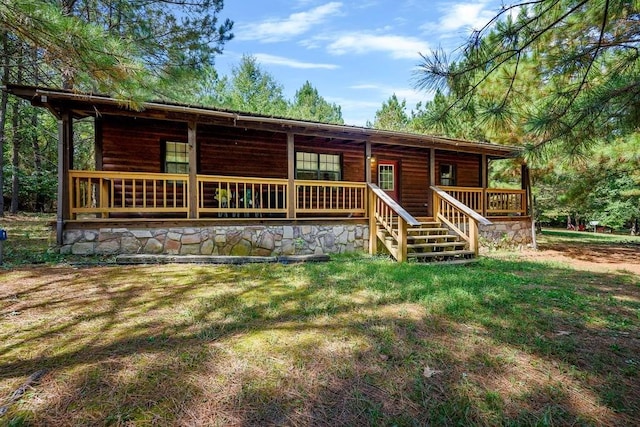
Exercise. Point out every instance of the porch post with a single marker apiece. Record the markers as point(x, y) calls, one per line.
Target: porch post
point(373, 225)
point(432, 180)
point(525, 179)
point(291, 175)
point(370, 207)
point(402, 240)
point(193, 169)
point(530, 200)
point(485, 183)
point(367, 162)
point(65, 163)
point(97, 142)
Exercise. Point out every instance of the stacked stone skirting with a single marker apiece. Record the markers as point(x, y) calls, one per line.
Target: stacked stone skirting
point(506, 232)
point(259, 240)
point(267, 240)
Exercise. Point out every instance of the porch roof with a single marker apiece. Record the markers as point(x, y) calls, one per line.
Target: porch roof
point(88, 104)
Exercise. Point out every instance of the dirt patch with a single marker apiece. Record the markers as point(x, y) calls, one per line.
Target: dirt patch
point(593, 257)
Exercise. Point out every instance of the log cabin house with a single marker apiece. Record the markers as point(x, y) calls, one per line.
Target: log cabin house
point(179, 179)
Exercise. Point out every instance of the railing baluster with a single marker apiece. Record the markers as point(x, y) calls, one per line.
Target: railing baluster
point(120, 192)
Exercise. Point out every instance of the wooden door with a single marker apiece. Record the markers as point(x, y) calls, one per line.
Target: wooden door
point(388, 178)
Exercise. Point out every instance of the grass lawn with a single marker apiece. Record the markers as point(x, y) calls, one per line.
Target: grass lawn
point(356, 341)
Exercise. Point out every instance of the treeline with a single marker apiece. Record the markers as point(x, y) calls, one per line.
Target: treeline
point(134, 50)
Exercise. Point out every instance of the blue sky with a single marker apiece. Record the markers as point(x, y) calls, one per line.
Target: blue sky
point(356, 53)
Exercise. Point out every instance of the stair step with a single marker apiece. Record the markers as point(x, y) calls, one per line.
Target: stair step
point(444, 254)
point(447, 237)
point(428, 224)
point(427, 229)
point(437, 245)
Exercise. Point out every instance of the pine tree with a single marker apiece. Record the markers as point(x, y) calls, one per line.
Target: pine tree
point(392, 115)
point(587, 60)
point(309, 105)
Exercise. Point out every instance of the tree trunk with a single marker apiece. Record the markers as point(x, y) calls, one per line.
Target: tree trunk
point(4, 101)
point(15, 160)
point(37, 152)
point(15, 122)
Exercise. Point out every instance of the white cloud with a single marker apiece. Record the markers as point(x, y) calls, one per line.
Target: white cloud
point(276, 30)
point(265, 58)
point(470, 16)
point(364, 86)
point(412, 96)
point(398, 47)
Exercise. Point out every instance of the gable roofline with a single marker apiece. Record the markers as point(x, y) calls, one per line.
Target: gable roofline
point(89, 104)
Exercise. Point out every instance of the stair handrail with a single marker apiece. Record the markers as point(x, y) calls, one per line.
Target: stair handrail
point(394, 205)
point(383, 213)
point(458, 216)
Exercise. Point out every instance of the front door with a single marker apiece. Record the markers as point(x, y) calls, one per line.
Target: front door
point(388, 177)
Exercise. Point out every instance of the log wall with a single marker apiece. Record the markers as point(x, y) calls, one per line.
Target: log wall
point(133, 145)
point(468, 167)
point(414, 175)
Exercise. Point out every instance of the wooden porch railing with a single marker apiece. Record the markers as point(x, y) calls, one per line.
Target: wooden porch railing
point(103, 193)
point(506, 202)
point(490, 201)
point(387, 213)
point(94, 192)
point(458, 216)
point(331, 197)
point(237, 196)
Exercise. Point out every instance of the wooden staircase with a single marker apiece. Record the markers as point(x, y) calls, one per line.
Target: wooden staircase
point(451, 236)
point(431, 242)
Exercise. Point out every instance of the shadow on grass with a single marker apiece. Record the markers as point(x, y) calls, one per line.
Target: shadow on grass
point(356, 341)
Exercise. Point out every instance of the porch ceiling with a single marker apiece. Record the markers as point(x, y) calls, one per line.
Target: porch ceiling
point(90, 105)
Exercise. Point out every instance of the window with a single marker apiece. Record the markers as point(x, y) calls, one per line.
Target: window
point(447, 174)
point(176, 157)
point(385, 177)
point(326, 167)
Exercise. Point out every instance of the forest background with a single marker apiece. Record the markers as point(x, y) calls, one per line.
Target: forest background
point(559, 78)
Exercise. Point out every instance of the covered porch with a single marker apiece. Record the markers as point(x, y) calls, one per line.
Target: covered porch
point(166, 167)
point(108, 195)
point(141, 200)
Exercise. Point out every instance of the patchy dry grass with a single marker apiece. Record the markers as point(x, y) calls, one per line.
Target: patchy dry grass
point(29, 238)
point(357, 341)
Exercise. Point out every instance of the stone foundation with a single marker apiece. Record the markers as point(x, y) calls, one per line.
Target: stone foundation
point(506, 232)
point(260, 240)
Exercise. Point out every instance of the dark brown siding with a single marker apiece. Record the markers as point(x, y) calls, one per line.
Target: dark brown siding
point(352, 155)
point(467, 167)
point(133, 145)
point(240, 152)
point(414, 175)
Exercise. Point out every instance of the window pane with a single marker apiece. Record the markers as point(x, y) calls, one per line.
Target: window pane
point(306, 161)
point(447, 174)
point(385, 177)
point(318, 166)
point(176, 157)
point(330, 162)
point(302, 174)
point(330, 176)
